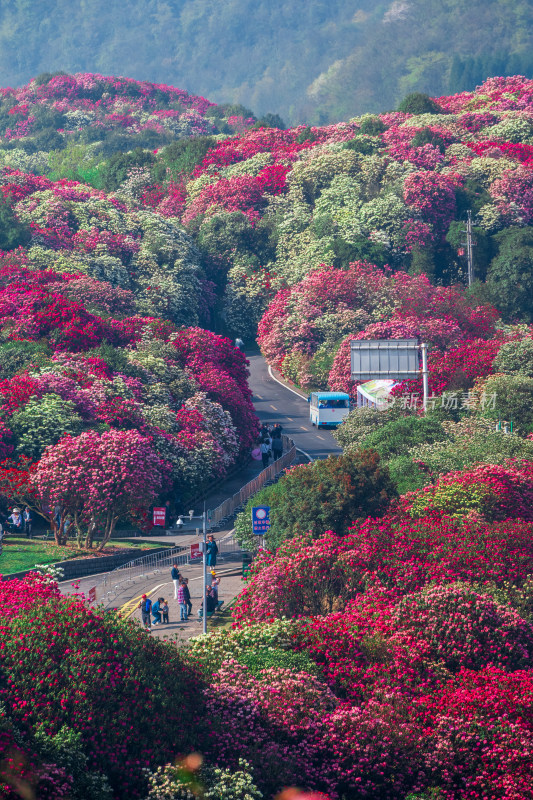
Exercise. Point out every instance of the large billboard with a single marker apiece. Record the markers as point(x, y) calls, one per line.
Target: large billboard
point(384, 358)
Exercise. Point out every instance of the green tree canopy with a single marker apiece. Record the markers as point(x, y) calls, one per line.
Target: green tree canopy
point(510, 275)
point(12, 232)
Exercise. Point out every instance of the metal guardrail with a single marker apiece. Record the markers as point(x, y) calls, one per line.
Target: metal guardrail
point(226, 510)
point(113, 583)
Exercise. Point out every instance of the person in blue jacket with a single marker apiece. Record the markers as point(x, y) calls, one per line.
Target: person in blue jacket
point(156, 611)
point(211, 551)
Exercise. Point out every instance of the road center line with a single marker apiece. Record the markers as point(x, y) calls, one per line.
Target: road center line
point(318, 436)
point(274, 407)
point(259, 396)
point(303, 427)
point(290, 419)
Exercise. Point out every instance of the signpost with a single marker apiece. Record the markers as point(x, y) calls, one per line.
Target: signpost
point(196, 550)
point(159, 517)
point(389, 358)
point(260, 520)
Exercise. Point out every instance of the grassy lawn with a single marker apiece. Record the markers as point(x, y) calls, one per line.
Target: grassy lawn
point(222, 620)
point(20, 553)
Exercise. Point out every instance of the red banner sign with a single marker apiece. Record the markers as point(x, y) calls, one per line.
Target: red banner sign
point(159, 516)
point(196, 550)
point(92, 594)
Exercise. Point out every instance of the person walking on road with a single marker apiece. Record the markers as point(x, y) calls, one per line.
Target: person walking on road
point(265, 452)
point(175, 575)
point(277, 447)
point(211, 551)
point(182, 602)
point(187, 596)
point(146, 606)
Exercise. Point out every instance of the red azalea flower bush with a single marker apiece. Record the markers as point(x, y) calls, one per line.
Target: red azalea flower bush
point(382, 639)
point(492, 491)
point(433, 196)
point(65, 664)
point(396, 552)
point(241, 193)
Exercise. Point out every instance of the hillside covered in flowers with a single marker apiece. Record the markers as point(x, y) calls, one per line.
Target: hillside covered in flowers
point(382, 646)
point(103, 410)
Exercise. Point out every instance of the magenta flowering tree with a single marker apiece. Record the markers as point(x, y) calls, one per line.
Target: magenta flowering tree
point(433, 196)
point(513, 194)
point(97, 479)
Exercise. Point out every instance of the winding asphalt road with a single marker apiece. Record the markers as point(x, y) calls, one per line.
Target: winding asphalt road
point(273, 402)
point(276, 403)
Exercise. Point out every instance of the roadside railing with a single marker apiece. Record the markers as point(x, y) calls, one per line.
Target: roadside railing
point(115, 581)
point(226, 510)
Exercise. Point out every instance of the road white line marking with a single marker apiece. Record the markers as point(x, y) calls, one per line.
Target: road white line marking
point(286, 387)
point(303, 427)
point(299, 449)
point(258, 395)
point(318, 436)
point(290, 419)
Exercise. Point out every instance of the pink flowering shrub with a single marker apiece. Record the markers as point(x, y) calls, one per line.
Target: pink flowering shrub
point(398, 552)
point(513, 193)
point(69, 665)
point(100, 478)
point(493, 492)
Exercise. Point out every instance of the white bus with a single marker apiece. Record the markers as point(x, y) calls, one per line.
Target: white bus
point(328, 409)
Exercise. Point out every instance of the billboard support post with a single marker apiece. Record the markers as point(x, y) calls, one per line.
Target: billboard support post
point(425, 376)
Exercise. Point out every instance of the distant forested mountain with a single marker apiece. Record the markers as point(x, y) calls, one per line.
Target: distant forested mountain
point(307, 60)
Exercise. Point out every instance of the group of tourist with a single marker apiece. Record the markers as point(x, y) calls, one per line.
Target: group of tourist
point(17, 522)
point(270, 443)
point(157, 613)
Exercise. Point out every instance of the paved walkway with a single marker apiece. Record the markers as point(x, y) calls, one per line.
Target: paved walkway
point(159, 584)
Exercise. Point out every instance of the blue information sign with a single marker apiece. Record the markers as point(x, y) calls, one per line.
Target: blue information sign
point(260, 520)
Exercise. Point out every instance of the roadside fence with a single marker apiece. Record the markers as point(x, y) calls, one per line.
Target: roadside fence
point(224, 512)
point(118, 579)
point(112, 584)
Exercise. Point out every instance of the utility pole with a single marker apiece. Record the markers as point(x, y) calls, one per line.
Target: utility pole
point(469, 247)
